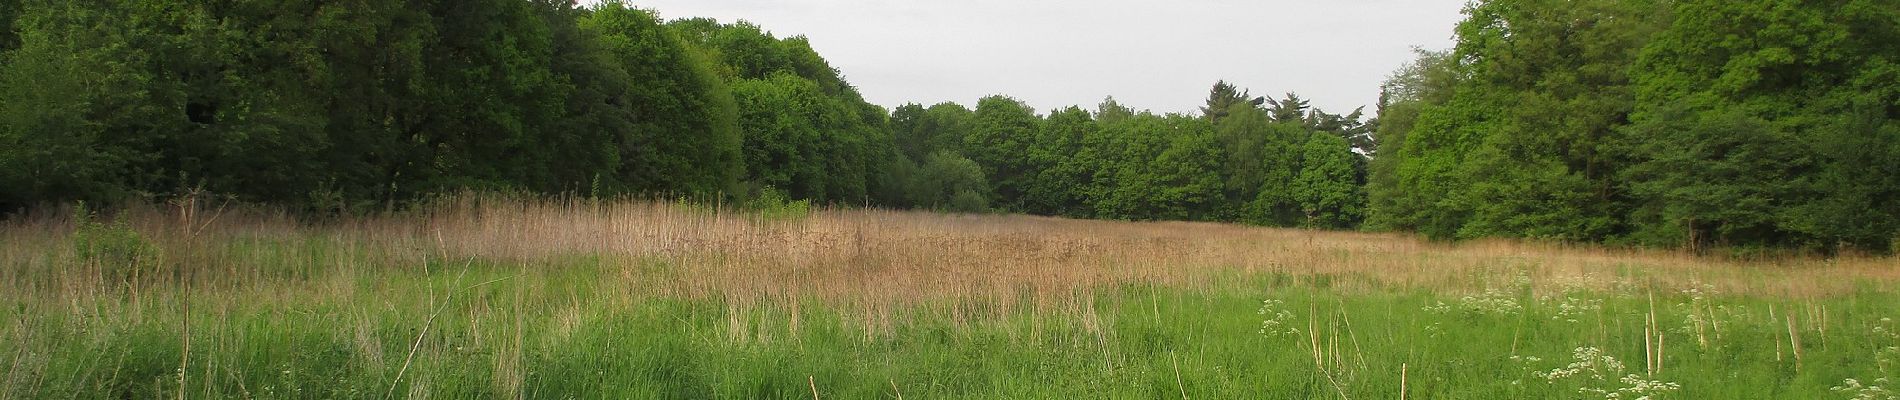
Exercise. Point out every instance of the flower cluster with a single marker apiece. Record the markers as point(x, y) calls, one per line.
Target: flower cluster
point(1496, 302)
point(1597, 369)
point(1698, 310)
point(1637, 388)
point(1572, 309)
point(1853, 387)
point(1278, 321)
point(1590, 362)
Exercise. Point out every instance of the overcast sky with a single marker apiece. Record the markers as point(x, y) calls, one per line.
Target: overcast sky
point(1159, 55)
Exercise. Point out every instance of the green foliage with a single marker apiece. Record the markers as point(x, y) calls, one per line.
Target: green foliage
point(950, 182)
point(968, 201)
point(1001, 134)
point(1224, 98)
point(1796, 102)
point(1111, 112)
point(1262, 158)
point(9, 18)
point(675, 122)
point(773, 204)
point(115, 249)
point(1426, 80)
point(1517, 145)
point(803, 127)
point(357, 103)
point(1291, 109)
point(1328, 189)
point(799, 139)
point(1716, 178)
point(1062, 152)
point(1160, 168)
point(1265, 151)
point(920, 131)
point(1695, 123)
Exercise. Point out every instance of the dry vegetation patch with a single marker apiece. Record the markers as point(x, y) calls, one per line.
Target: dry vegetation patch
point(884, 258)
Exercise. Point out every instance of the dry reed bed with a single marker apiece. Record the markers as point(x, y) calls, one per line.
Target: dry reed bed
point(879, 259)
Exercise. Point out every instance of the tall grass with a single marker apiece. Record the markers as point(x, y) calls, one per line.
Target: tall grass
point(500, 297)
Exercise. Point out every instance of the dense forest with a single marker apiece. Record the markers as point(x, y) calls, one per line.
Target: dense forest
point(1666, 123)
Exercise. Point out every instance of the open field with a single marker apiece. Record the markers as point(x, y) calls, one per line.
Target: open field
point(486, 298)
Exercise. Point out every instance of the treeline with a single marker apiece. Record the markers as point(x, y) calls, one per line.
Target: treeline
point(1684, 123)
point(355, 106)
point(1245, 159)
point(362, 104)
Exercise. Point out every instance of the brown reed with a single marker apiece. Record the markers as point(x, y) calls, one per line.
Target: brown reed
point(877, 260)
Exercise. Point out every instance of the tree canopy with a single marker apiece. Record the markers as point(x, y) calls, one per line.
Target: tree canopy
point(1684, 124)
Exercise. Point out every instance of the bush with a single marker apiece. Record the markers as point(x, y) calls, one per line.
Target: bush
point(772, 203)
point(116, 249)
point(950, 182)
point(969, 202)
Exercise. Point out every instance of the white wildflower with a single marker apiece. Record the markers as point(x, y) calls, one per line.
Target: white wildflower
point(1877, 391)
point(1597, 371)
point(1491, 302)
point(1572, 309)
point(1590, 361)
point(1279, 322)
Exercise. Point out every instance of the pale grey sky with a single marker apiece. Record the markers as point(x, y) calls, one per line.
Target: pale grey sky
point(1159, 55)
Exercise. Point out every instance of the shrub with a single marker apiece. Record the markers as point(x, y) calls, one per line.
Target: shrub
point(773, 204)
point(116, 249)
point(969, 201)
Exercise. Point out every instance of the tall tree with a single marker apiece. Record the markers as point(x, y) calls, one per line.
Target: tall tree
point(1329, 189)
point(1224, 97)
point(1060, 183)
point(1543, 86)
point(1000, 137)
point(1428, 79)
point(675, 119)
point(1788, 102)
point(1162, 168)
point(920, 131)
point(1291, 109)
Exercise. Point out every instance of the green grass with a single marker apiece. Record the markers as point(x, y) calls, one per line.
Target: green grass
point(316, 316)
point(549, 330)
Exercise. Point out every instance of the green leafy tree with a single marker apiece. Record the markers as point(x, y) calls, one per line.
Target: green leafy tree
point(1426, 80)
point(1161, 168)
point(1002, 131)
point(675, 120)
point(1788, 105)
point(804, 128)
point(1541, 90)
point(1261, 159)
point(1716, 178)
point(950, 182)
point(9, 20)
point(1062, 174)
point(50, 147)
point(920, 131)
point(1112, 112)
point(1328, 188)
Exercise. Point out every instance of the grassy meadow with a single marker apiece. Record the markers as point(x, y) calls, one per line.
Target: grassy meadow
point(480, 297)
